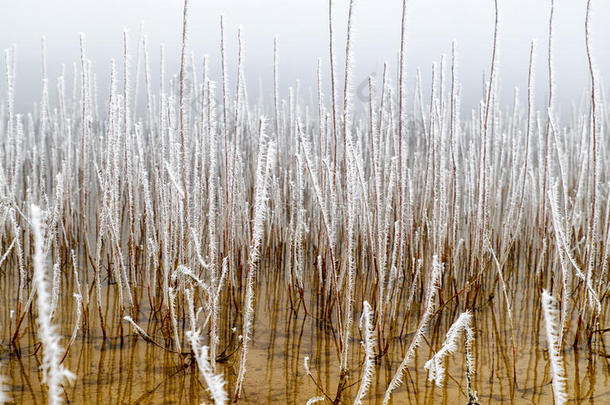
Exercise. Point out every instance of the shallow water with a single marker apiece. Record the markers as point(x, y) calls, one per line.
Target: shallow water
point(125, 369)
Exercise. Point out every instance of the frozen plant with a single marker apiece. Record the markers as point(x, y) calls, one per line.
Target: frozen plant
point(54, 373)
point(553, 338)
point(214, 382)
point(436, 365)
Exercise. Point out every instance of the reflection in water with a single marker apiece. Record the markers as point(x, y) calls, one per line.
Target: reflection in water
point(125, 369)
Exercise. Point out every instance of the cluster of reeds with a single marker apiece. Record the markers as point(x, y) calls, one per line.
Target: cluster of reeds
point(180, 206)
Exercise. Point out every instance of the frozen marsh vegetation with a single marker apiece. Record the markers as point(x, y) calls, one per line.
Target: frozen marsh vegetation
point(205, 247)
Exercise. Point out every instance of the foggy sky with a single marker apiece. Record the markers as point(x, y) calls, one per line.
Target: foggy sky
point(302, 28)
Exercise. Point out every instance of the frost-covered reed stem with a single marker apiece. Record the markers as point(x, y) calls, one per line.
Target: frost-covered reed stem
point(351, 254)
point(482, 203)
point(557, 222)
point(183, 155)
point(436, 365)
point(347, 92)
point(225, 97)
point(529, 123)
point(238, 105)
point(138, 329)
point(401, 84)
point(366, 325)
point(56, 287)
point(314, 400)
point(550, 111)
point(433, 285)
point(83, 154)
point(172, 312)
point(594, 214)
point(266, 157)
point(214, 382)
point(54, 374)
point(553, 337)
point(79, 313)
point(212, 213)
point(333, 93)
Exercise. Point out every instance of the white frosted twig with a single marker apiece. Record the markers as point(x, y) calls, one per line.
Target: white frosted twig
point(436, 365)
point(434, 284)
point(553, 337)
point(184, 272)
point(306, 365)
point(172, 177)
point(54, 374)
point(79, 313)
point(172, 311)
point(214, 382)
point(566, 256)
point(313, 400)
point(366, 325)
point(351, 255)
point(266, 159)
point(56, 287)
point(138, 329)
point(8, 251)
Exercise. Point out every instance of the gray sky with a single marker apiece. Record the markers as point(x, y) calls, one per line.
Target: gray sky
point(302, 27)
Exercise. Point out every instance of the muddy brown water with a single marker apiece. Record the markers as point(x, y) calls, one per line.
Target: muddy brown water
point(129, 370)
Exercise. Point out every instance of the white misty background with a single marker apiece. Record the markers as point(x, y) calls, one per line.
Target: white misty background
point(302, 28)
